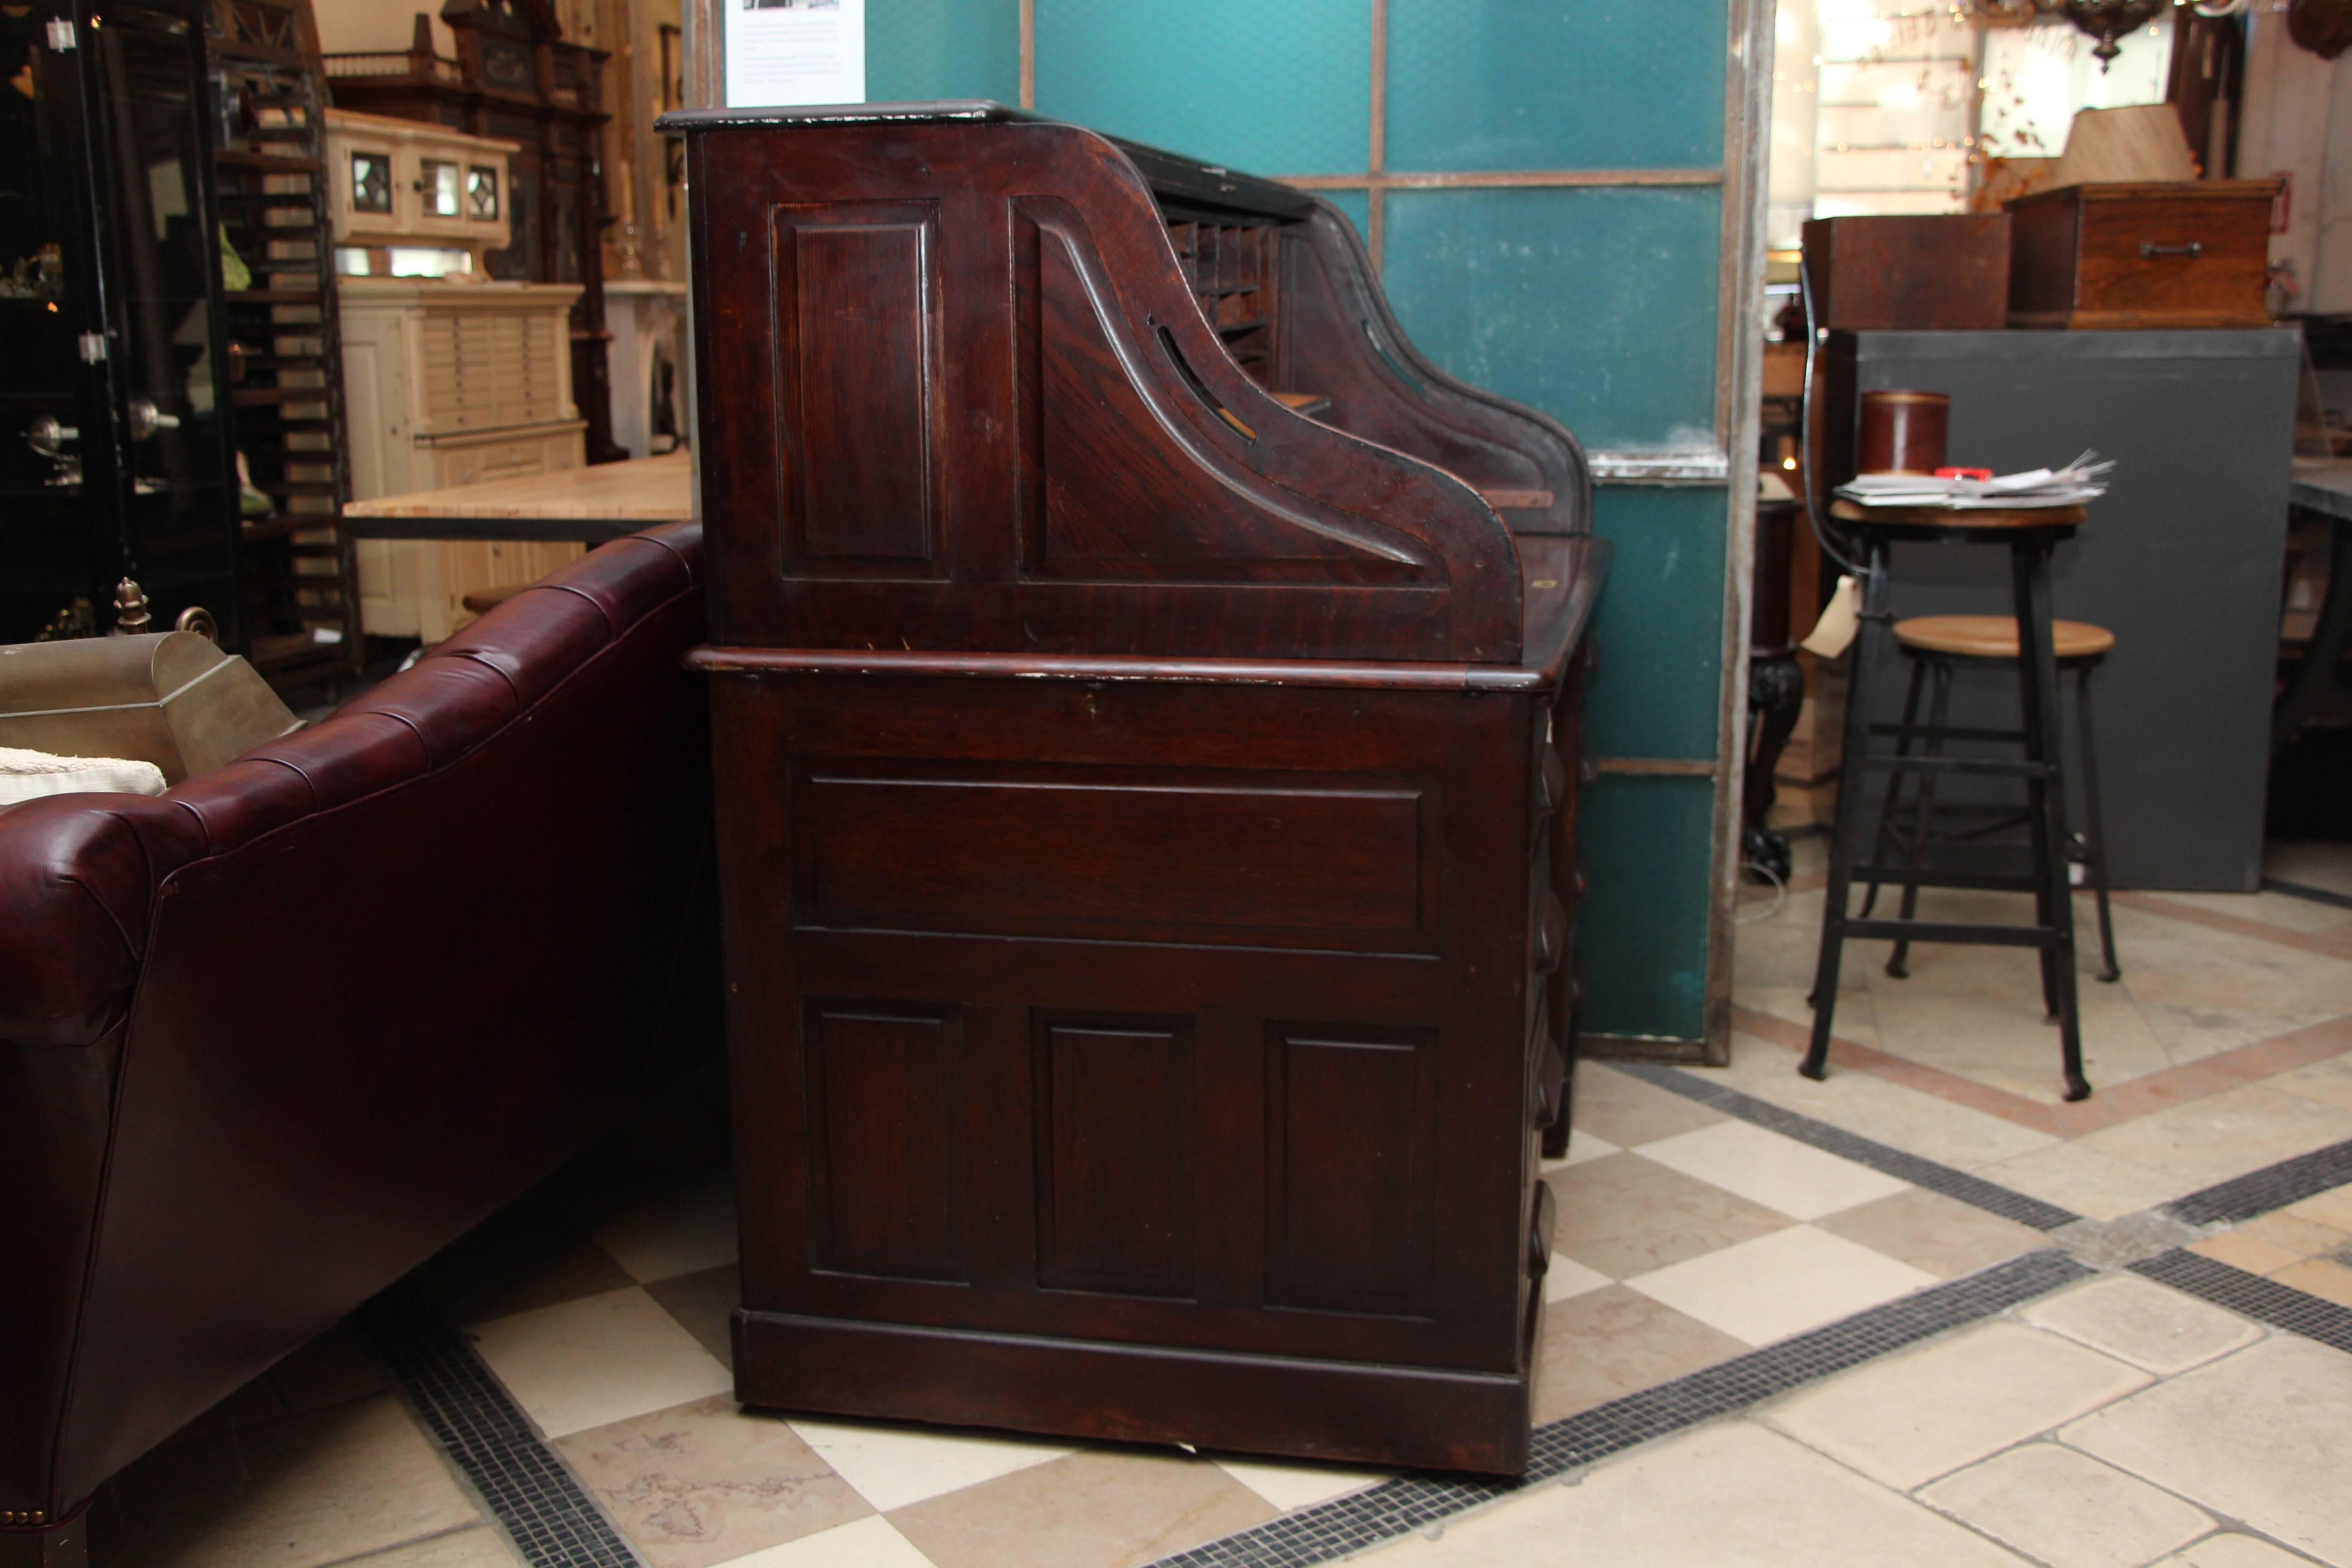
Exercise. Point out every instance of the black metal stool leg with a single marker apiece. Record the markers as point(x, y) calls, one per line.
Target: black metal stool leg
point(1923, 823)
point(1846, 839)
point(2046, 795)
point(2094, 833)
point(1892, 802)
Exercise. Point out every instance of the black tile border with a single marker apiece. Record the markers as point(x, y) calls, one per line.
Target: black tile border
point(2251, 1295)
point(531, 1493)
point(2258, 1193)
point(1351, 1524)
point(1915, 1169)
point(2305, 890)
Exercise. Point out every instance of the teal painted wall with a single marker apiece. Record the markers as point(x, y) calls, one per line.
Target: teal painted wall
point(1595, 303)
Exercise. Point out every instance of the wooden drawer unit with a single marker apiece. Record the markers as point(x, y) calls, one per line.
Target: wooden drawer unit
point(2191, 253)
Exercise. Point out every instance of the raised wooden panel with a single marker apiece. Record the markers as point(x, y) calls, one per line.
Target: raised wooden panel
point(1350, 1168)
point(1114, 1171)
point(1211, 856)
point(885, 1139)
point(857, 326)
point(1120, 484)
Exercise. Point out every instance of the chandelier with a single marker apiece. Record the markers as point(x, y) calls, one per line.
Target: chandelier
point(2105, 20)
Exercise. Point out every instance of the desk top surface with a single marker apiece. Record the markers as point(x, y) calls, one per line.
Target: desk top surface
point(643, 492)
point(2323, 484)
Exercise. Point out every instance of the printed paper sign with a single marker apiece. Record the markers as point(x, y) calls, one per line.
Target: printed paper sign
point(795, 51)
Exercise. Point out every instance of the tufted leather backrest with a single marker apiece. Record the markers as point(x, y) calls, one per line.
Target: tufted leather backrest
point(269, 1040)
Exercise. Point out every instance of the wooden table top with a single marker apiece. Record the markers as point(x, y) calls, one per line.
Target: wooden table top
point(1958, 518)
point(2323, 484)
point(596, 503)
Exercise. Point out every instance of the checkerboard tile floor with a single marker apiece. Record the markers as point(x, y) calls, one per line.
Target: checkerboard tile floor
point(1686, 1237)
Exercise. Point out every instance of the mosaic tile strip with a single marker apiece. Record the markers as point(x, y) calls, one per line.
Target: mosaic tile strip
point(1915, 1169)
point(2299, 890)
point(1350, 1524)
point(2272, 1187)
point(2251, 1295)
point(534, 1498)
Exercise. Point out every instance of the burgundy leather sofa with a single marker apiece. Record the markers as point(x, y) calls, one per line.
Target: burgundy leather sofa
point(270, 1039)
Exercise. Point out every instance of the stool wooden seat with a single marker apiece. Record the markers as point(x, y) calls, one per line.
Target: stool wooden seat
point(1995, 636)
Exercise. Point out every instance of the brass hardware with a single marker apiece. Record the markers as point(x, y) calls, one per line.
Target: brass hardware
point(146, 419)
point(197, 619)
point(130, 616)
point(2149, 250)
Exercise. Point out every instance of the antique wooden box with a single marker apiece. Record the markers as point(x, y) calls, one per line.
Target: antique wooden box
point(1146, 758)
point(1942, 273)
point(2189, 253)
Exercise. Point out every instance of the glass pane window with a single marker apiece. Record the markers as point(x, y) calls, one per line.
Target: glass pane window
point(482, 193)
point(370, 183)
point(440, 187)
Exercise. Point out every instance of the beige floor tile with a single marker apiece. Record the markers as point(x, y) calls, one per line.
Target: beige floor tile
point(703, 1302)
point(2094, 1185)
point(1908, 1419)
point(2328, 1082)
point(1779, 1172)
point(2333, 1207)
point(1584, 1147)
point(1565, 1276)
point(870, 1543)
point(1624, 1110)
point(2322, 1277)
point(2238, 1250)
point(1781, 1284)
point(706, 1483)
point(1727, 1496)
point(338, 1367)
point(1290, 1486)
point(480, 1547)
point(2067, 1511)
point(1929, 1231)
point(2140, 1321)
point(305, 1490)
point(1107, 1509)
point(571, 1272)
point(2310, 863)
point(1625, 1215)
point(2235, 1552)
point(2263, 1437)
point(1993, 1028)
point(1857, 1008)
point(1906, 1119)
point(681, 1232)
point(591, 1362)
point(2293, 1233)
point(893, 1465)
point(2224, 1135)
point(1615, 1341)
point(2280, 910)
point(2203, 990)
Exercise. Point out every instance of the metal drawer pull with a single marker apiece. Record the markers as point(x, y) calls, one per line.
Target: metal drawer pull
point(2149, 250)
point(1551, 934)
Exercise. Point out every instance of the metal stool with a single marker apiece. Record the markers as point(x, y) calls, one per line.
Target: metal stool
point(2030, 534)
point(1935, 644)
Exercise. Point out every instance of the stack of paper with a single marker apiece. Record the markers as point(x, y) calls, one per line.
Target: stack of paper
point(2078, 481)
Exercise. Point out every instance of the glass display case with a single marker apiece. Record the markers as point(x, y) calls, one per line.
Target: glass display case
point(116, 462)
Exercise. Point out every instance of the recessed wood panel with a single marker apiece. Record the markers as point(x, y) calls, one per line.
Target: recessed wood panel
point(860, 308)
point(1350, 1157)
point(884, 1096)
point(1114, 1173)
point(1144, 848)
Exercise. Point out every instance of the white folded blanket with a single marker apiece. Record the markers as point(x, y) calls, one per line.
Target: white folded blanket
point(24, 775)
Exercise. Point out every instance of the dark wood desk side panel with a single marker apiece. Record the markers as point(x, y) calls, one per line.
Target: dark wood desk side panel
point(1342, 340)
point(1461, 1109)
point(1386, 514)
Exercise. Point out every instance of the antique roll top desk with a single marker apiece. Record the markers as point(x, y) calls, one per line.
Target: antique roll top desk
point(1146, 704)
